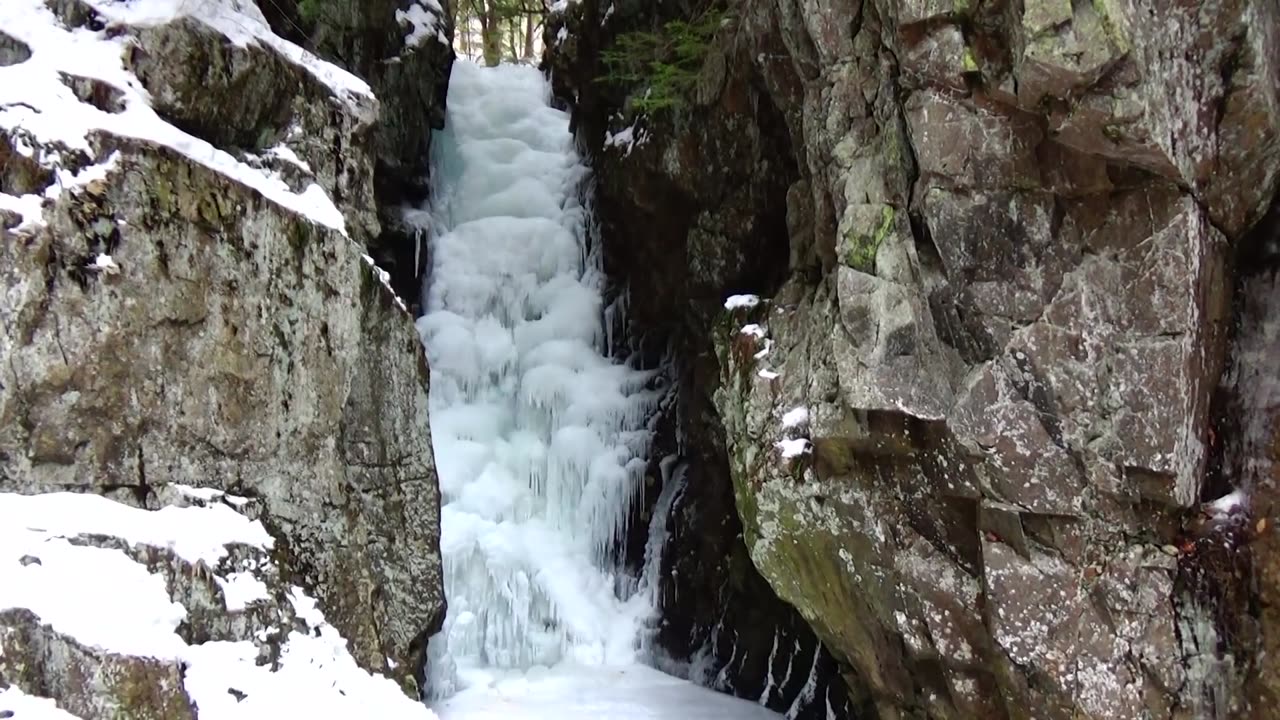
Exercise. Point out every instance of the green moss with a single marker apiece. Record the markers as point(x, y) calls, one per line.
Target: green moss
point(961, 7)
point(1113, 132)
point(970, 62)
point(1109, 25)
point(863, 248)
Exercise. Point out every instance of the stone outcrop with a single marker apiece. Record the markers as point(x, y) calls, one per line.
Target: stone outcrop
point(411, 81)
point(973, 430)
point(167, 319)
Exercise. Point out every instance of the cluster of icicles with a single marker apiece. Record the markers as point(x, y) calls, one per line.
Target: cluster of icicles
point(540, 438)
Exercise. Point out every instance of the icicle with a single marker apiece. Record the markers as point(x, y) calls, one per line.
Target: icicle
point(540, 436)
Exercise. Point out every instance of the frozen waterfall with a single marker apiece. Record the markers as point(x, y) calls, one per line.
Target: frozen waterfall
point(540, 437)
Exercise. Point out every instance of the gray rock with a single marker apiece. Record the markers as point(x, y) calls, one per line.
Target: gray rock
point(234, 345)
point(1011, 231)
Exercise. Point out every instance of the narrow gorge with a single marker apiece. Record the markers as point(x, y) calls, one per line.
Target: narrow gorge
point(698, 360)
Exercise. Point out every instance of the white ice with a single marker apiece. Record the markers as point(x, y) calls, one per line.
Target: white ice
point(633, 692)
point(540, 437)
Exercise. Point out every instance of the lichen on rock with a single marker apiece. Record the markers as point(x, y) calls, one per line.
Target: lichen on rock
point(1011, 235)
point(188, 302)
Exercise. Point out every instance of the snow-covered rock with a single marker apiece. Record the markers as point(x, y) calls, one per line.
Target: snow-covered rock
point(188, 315)
point(113, 611)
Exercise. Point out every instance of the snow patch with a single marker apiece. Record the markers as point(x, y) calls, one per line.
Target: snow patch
point(794, 448)
point(735, 302)
point(28, 707)
point(105, 264)
point(1235, 502)
point(423, 19)
point(795, 417)
point(30, 208)
point(241, 589)
point(628, 138)
point(194, 534)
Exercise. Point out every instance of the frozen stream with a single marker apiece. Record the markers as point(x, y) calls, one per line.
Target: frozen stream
point(540, 438)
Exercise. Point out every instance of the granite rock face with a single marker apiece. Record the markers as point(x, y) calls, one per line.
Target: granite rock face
point(974, 428)
point(168, 319)
point(371, 39)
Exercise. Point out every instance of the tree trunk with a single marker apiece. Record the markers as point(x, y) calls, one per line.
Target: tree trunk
point(491, 33)
point(528, 36)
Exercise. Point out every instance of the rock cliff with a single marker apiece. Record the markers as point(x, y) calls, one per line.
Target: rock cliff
point(187, 199)
point(971, 407)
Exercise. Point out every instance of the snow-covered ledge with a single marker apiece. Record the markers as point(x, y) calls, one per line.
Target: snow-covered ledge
point(187, 594)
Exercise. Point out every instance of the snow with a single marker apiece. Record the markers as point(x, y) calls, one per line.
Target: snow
point(194, 534)
point(286, 153)
point(27, 207)
point(384, 277)
point(207, 495)
point(422, 18)
point(768, 346)
point(104, 599)
point(241, 589)
point(34, 100)
point(795, 417)
point(105, 264)
point(27, 707)
point(628, 138)
point(735, 302)
point(634, 692)
point(1236, 501)
point(794, 447)
point(753, 330)
point(767, 374)
point(100, 597)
